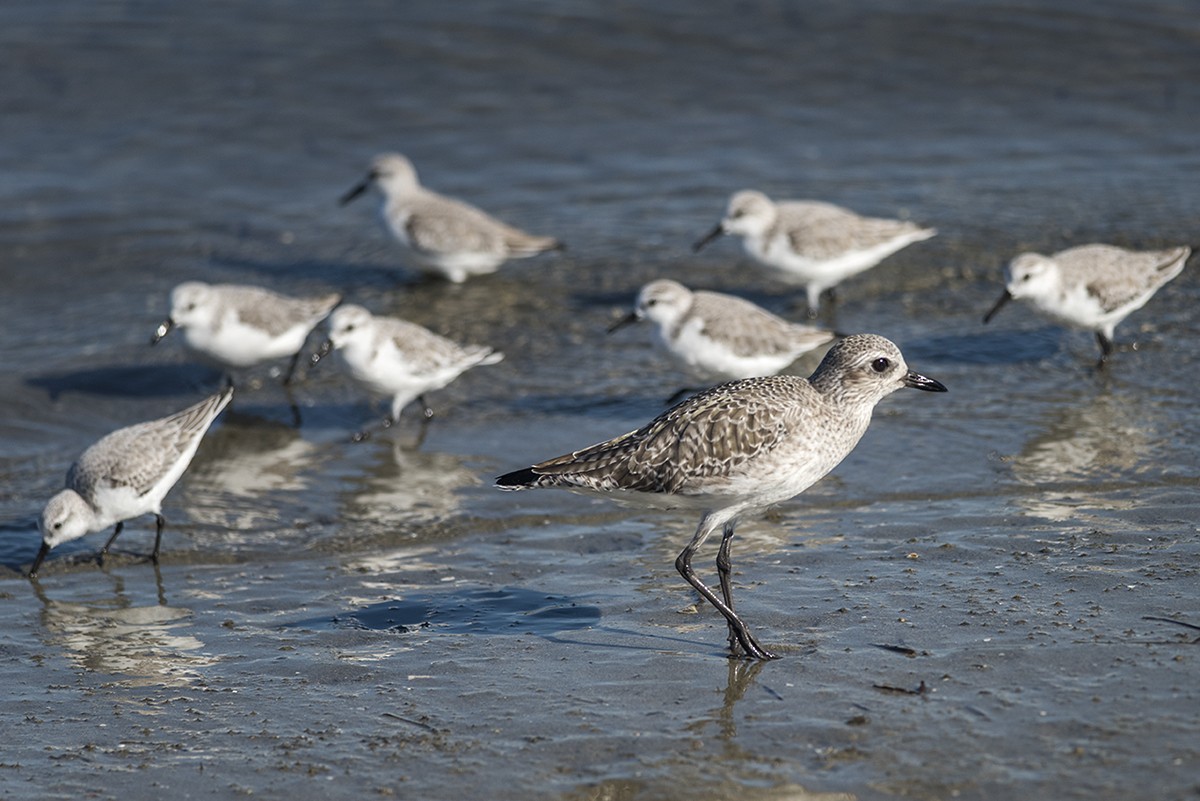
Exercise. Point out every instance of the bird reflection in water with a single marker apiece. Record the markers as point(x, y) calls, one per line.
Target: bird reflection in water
point(114, 632)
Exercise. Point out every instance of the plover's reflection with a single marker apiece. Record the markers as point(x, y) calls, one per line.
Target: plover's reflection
point(110, 631)
point(405, 485)
point(246, 460)
point(1086, 447)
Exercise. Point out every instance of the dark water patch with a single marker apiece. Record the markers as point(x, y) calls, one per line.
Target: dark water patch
point(511, 610)
point(1011, 346)
point(376, 274)
point(120, 380)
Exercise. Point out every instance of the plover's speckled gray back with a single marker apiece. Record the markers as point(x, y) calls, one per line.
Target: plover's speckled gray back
point(126, 474)
point(812, 243)
point(446, 236)
point(398, 358)
point(722, 335)
point(1093, 287)
point(239, 326)
point(739, 447)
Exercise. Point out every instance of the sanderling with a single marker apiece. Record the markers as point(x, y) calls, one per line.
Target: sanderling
point(736, 448)
point(1093, 287)
point(239, 326)
point(812, 243)
point(125, 475)
point(398, 358)
point(722, 335)
point(446, 236)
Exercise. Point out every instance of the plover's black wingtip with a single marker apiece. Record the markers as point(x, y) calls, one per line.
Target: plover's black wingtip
point(517, 480)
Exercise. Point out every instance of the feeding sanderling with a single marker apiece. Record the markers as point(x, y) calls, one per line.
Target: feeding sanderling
point(722, 335)
point(239, 326)
point(446, 236)
point(125, 475)
point(736, 448)
point(812, 243)
point(1093, 287)
point(398, 358)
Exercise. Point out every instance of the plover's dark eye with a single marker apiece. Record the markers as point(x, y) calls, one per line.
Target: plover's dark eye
point(652, 302)
point(57, 526)
point(880, 365)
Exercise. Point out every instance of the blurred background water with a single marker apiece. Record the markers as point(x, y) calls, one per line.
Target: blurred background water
point(145, 144)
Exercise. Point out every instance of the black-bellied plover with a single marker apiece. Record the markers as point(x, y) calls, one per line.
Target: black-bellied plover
point(445, 236)
point(238, 326)
point(1093, 287)
point(125, 475)
point(720, 335)
point(737, 448)
point(812, 243)
point(397, 358)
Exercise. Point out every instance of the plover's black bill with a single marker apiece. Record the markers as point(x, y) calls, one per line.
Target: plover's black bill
point(918, 381)
point(163, 329)
point(1005, 298)
point(717, 230)
point(356, 190)
point(632, 317)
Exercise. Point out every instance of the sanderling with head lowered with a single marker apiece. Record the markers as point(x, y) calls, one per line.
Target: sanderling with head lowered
point(722, 335)
point(398, 358)
point(445, 236)
point(1093, 287)
point(737, 448)
point(812, 243)
point(125, 475)
point(239, 326)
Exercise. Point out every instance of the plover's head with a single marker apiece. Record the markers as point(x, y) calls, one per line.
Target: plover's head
point(865, 368)
point(192, 304)
point(750, 213)
point(1031, 275)
point(394, 173)
point(349, 324)
point(663, 301)
point(66, 517)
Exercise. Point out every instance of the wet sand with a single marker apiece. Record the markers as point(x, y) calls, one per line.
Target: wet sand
point(994, 596)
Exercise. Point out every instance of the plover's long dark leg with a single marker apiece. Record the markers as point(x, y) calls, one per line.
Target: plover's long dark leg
point(724, 566)
point(683, 563)
point(287, 377)
point(1106, 348)
point(116, 533)
point(159, 522)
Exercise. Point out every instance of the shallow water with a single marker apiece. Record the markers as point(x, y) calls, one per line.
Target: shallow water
point(976, 604)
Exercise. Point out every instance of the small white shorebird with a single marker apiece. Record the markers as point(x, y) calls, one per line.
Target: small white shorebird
point(238, 326)
point(398, 358)
point(737, 448)
point(1093, 287)
point(722, 335)
point(446, 236)
point(812, 243)
point(125, 475)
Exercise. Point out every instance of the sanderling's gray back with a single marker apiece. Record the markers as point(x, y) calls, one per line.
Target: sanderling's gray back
point(812, 243)
point(397, 358)
point(238, 326)
point(126, 474)
point(722, 335)
point(1093, 287)
point(444, 235)
point(736, 448)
